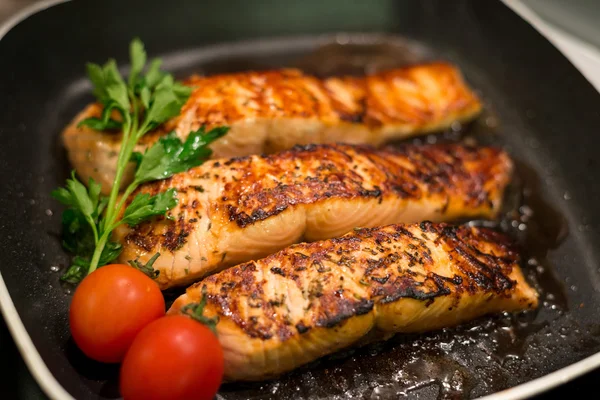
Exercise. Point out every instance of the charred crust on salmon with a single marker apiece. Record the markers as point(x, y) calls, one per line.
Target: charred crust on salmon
point(478, 266)
point(312, 299)
point(264, 110)
point(427, 173)
point(441, 181)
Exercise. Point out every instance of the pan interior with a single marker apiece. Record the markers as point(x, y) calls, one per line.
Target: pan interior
point(484, 356)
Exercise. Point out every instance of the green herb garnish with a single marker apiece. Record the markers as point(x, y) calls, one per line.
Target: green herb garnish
point(142, 103)
point(147, 268)
point(196, 312)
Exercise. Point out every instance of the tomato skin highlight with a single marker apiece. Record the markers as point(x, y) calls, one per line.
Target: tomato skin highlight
point(109, 307)
point(174, 358)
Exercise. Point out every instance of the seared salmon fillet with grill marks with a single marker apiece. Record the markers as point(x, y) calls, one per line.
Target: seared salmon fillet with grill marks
point(269, 111)
point(235, 210)
point(312, 299)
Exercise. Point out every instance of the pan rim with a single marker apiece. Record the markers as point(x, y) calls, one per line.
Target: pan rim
point(54, 390)
point(583, 55)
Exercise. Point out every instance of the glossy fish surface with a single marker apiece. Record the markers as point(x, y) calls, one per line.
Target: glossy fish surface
point(269, 111)
point(312, 299)
point(235, 210)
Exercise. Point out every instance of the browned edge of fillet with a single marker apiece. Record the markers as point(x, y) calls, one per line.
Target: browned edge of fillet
point(399, 278)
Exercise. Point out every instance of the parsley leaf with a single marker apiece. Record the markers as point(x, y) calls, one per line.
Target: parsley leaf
point(78, 237)
point(77, 271)
point(115, 86)
point(145, 206)
point(105, 122)
point(110, 252)
point(165, 101)
point(170, 156)
point(108, 84)
point(138, 60)
point(81, 264)
point(96, 76)
point(154, 74)
point(101, 124)
point(85, 201)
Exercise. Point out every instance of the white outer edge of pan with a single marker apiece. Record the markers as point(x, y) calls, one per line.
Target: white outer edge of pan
point(585, 56)
point(33, 359)
point(55, 391)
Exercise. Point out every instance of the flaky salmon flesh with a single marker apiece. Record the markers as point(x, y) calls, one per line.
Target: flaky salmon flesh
point(270, 111)
point(236, 210)
point(313, 299)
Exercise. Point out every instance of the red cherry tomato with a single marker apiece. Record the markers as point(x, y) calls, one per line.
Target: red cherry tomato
point(109, 307)
point(174, 358)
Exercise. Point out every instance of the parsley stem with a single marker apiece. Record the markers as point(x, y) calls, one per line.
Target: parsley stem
point(110, 208)
point(131, 135)
point(130, 189)
point(98, 251)
point(111, 211)
point(143, 129)
point(94, 229)
point(135, 107)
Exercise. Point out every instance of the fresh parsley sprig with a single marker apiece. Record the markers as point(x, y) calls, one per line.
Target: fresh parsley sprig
point(135, 107)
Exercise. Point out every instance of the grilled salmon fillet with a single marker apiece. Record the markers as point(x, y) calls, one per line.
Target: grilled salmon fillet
point(312, 299)
point(240, 209)
point(270, 111)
